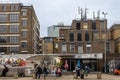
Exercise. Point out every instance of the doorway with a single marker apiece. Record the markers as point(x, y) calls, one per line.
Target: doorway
point(72, 65)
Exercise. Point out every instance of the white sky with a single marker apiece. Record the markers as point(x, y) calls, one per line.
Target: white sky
point(51, 12)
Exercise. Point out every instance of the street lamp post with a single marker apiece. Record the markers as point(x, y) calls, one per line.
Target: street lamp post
point(105, 58)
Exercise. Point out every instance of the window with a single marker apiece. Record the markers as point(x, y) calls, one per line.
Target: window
point(14, 28)
point(78, 26)
point(3, 39)
point(24, 45)
point(24, 23)
point(93, 25)
point(71, 36)
point(95, 35)
point(14, 17)
point(88, 48)
point(64, 48)
point(80, 48)
point(107, 47)
point(85, 25)
point(79, 37)
point(16, 7)
point(4, 7)
point(14, 49)
point(3, 17)
point(3, 49)
point(72, 47)
point(12, 7)
point(3, 29)
point(104, 35)
point(24, 34)
point(14, 39)
point(86, 36)
point(24, 13)
point(102, 25)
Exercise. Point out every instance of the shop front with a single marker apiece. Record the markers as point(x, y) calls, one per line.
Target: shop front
point(91, 60)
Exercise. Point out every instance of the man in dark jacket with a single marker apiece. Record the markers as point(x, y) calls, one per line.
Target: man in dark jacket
point(4, 72)
point(45, 72)
point(38, 71)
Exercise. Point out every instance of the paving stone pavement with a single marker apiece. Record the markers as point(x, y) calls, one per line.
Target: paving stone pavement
point(68, 77)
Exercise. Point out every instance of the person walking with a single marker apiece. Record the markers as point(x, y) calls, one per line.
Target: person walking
point(45, 72)
point(4, 72)
point(38, 71)
point(87, 70)
point(59, 72)
point(82, 74)
point(77, 68)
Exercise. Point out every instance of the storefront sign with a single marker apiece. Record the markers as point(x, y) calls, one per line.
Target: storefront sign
point(86, 61)
point(90, 55)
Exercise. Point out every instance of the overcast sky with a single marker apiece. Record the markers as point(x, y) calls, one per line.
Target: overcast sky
point(51, 12)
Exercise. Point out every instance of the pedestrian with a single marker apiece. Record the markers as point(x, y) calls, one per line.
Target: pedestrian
point(77, 68)
point(45, 72)
point(5, 70)
point(82, 74)
point(38, 71)
point(87, 70)
point(59, 72)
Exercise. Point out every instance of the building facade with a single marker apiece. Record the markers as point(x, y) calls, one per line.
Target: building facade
point(113, 59)
point(89, 41)
point(50, 45)
point(19, 29)
point(115, 35)
point(53, 31)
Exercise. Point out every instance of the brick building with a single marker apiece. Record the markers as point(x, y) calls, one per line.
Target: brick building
point(19, 29)
point(50, 45)
point(113, 60)
point(88, 40)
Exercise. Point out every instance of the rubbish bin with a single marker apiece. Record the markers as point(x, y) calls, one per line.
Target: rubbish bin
point(15, 75)
point(75, 75)
point(99, 75)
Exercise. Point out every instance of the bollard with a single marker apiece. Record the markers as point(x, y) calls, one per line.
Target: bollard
point(75, 76)
point(34, 76)
point(15, 75)
point(99, 75)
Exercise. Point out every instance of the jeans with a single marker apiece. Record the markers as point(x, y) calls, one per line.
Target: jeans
point(45, 74)
point(38, 76)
